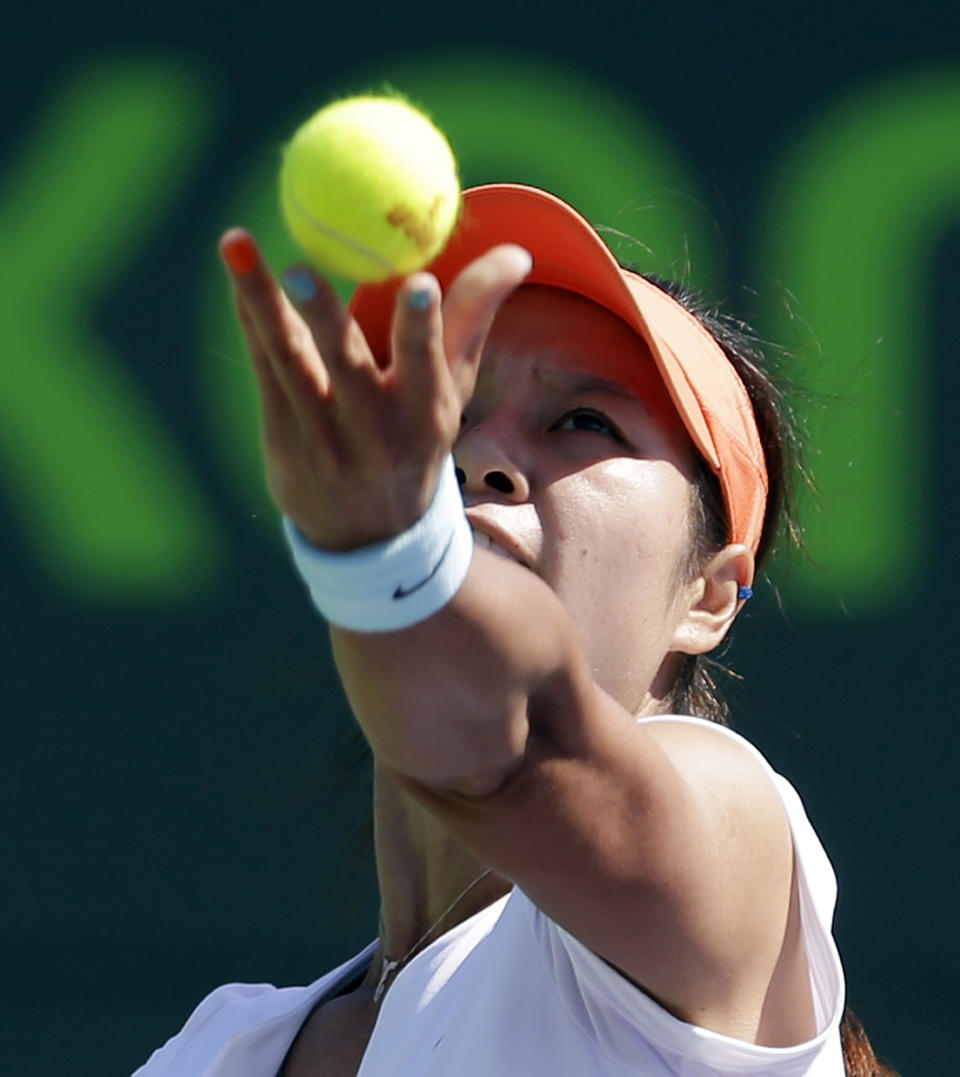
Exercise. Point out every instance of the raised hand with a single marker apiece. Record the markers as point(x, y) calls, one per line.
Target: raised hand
point(353, 443)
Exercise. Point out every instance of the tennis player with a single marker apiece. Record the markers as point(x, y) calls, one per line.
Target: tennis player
point(529, 490)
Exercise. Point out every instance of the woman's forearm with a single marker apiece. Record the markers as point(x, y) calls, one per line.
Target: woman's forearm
point(447, 702)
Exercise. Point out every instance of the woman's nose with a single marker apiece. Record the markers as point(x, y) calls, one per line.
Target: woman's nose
point(484, 466)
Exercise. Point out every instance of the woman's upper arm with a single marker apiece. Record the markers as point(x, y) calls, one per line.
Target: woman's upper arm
point(662, 847)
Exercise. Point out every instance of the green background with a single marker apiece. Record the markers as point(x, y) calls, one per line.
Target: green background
point(183, 795)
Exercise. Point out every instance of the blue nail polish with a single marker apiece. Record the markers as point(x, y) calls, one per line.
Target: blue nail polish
point(420, 299)
point(300, 284)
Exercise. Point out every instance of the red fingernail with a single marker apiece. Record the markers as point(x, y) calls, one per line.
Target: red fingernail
point(240, 253)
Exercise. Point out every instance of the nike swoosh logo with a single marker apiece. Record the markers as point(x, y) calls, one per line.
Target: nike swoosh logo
point(406, 592)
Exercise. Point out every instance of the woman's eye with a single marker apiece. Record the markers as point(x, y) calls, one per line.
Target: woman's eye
point(592, 422)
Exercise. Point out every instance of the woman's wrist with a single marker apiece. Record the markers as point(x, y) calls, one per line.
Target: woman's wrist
point(396, 583)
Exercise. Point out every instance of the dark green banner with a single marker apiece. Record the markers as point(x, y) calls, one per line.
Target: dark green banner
point(185, 796)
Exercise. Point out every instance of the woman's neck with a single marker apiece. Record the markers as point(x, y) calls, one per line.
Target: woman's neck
point(425, 874)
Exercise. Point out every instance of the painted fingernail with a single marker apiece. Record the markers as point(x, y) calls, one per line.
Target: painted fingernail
point(300, 284)
point(240, 253)
point(420, 299)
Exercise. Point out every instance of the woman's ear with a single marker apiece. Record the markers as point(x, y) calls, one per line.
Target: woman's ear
point(716, 598)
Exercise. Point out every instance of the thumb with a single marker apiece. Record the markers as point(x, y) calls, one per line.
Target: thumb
point(471, 303)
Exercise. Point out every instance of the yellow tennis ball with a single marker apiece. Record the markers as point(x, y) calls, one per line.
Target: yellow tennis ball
point(369, 188)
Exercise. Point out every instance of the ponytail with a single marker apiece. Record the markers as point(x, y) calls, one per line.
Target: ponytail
point(857, 1050)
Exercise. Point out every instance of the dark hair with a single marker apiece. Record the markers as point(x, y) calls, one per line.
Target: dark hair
point(695, 690)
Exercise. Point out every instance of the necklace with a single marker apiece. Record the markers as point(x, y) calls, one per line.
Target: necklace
point(388, 966)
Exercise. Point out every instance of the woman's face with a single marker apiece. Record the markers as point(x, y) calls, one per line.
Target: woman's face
point(577, 465)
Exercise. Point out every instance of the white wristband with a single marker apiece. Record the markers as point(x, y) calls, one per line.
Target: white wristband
point(396, 583)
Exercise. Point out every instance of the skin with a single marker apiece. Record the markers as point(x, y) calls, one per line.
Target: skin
point(503, 727)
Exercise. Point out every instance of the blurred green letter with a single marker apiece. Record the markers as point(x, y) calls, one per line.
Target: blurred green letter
point(859, 205)
point(105, 500)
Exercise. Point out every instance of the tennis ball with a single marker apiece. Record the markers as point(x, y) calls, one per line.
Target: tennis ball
point(369, 188)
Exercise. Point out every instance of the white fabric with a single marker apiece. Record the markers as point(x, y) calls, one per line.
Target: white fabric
point(396, 583)
point(245, 1030)
point(510, 992)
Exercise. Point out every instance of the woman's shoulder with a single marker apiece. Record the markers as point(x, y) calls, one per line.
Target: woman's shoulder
point(684, 731)
point(738, 781)
point(726, 770)
point(724, 765)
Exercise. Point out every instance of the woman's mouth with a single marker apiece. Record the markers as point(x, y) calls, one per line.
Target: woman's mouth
point(484, 542)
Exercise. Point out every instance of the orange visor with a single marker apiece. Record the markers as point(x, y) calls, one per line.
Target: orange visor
point(568, 253)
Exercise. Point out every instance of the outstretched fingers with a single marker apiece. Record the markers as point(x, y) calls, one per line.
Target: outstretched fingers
point(353, 448)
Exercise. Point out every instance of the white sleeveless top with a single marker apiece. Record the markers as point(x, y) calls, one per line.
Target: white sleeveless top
point(509, 992)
